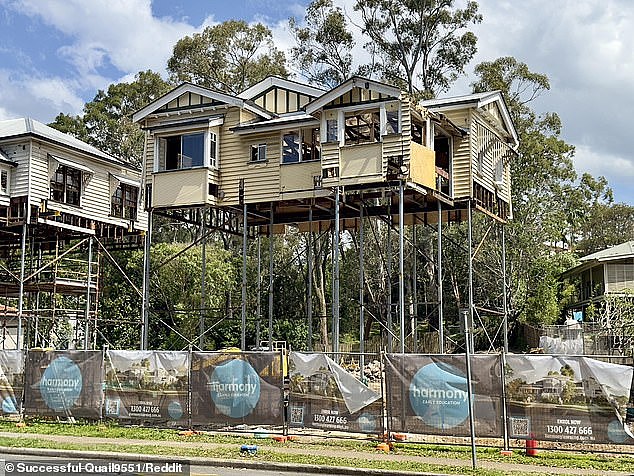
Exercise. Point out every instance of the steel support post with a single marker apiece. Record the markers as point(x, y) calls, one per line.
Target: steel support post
point(87, 310)
point(19, 331)
point(361, 295)
point(271, 279)
point(243, 334)
point(335, 278)
point(414, 316)
point(469, 338)
point(258, 305)
point(470, 238)
point(504, 293)
point(390, 341)
point(146, 282)
point(203, 283)
point(441, 323)
point(309, 293)
point(401, 272)
point(468, 330)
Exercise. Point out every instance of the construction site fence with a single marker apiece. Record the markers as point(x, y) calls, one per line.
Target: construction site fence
point(557, 398)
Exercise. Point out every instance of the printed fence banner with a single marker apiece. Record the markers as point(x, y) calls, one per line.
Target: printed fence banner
point(64, 383)
point(11, 381)
point(571, 399)
point(428, 394)
point(147, 386)
point(236, 388)
point(323, 395)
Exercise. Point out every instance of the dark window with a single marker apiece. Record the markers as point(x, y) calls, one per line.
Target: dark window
point(124, 201)
point(181, 152)
point(331, 130)
point(4, 181)
point(66, 185)
point(362, 128)
point(290, 148)
point(311, 147)
point(213, 149)
point(392, 122)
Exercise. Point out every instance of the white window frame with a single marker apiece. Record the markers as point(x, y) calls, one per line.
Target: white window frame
point(383, 118)
point(206, 149)
point(213, 160)
point(300, 132)
point(259, 146)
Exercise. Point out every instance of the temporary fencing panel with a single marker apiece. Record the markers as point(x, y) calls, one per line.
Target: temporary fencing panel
point(571, 399)
point(323, 395)
point(11, 381)
point(236, 388)
point(428, 394)
point(64, 383)
point(147, 386)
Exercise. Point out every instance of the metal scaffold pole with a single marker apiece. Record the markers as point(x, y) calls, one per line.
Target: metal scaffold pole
point(504, 293)
point(258, 305)
point(309, 293)
point(203, 282)
point(441, 324)
point(19, 331)
point(468, 323)
point(335, 279)
point(361, 295)
point(401, 272)
point(271, 279)
point(146, 282)
point(243, 335)
point(87, 310)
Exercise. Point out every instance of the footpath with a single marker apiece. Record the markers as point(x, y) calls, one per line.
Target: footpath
point(257, 463)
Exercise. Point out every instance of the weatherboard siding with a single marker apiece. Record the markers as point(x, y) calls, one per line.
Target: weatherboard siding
point(461, 159)
point(19, 153)
point(261, 179)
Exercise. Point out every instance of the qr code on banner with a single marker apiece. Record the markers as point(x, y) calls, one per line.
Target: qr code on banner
point(520, 427)
point(297, 415)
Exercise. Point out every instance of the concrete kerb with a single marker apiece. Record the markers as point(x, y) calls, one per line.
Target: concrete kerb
point(211, 462)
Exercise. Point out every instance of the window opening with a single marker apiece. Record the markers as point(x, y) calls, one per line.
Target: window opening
point(362, 128)
point(66, 185)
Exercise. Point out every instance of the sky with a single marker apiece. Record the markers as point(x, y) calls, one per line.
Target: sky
point(56, 54)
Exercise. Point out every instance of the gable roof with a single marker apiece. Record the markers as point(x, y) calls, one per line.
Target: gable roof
point(202, 91)
point(476, 100)
point(276, 81)
point(624, 250)
point(354, 82)
point(23, 127)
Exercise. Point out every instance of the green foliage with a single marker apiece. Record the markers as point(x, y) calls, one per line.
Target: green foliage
point(550, 202)
point(323, 51)
point(107, 120)
point(421, 41)
point(228, 57)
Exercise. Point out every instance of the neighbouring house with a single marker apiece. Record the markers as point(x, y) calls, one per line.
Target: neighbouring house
point(53, 179)
point(600, 276)
point(58, 195)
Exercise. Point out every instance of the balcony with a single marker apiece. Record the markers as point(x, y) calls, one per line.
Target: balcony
point(178, 188)
point(361, 163)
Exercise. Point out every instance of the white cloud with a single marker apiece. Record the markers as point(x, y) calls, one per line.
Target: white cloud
point(122, 32)
point(588, 159)
point(39, 97)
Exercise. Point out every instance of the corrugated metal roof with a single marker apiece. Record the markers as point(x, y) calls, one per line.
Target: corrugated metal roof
point(624, 250)
point(28, 126)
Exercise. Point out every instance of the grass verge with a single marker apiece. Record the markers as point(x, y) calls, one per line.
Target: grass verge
point(225, 446)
